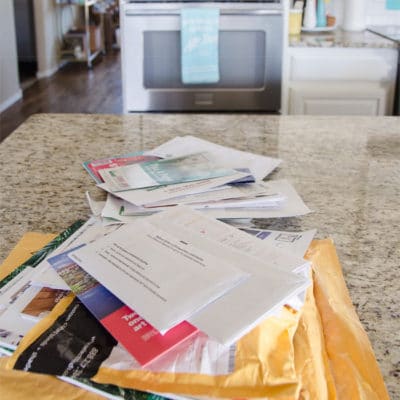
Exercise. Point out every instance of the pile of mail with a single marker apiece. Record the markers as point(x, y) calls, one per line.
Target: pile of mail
point(222, 182)
point(164, 286)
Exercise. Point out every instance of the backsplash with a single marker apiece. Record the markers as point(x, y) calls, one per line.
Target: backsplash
point(376, 12)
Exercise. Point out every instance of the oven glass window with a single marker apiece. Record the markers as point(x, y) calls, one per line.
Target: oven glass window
point(241, 60)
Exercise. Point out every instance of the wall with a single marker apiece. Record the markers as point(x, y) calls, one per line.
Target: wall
point(378, 15)
point(10, 91)
point(375, 12)
point(47, 42)
point(51, 21)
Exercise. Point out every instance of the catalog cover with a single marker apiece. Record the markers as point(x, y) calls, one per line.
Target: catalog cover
point(42, 253)
point(93, 167)
point(138, 337)
point(75, 345)
point(18, 284)
point(187, 168)
point(43, 302)
point(22, 304)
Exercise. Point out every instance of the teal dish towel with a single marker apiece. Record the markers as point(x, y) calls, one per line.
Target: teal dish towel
point(199, 45)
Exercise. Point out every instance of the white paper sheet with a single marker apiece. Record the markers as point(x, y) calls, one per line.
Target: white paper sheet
point(123, 211)
point(292, 207)
point(271, 284)
point(269, 202)
point(260, 166)
point(158, 271)
point(113, 207)
point(144, 196)
point(247, 191)
point(295, 242)
point(95, 206)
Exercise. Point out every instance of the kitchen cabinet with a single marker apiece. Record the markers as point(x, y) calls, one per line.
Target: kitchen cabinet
point(340, 81)
point(339, 98)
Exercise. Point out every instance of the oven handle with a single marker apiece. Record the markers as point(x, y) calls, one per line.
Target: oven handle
point(143, 12)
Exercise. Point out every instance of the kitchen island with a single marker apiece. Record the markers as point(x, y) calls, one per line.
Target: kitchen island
point(347, 170)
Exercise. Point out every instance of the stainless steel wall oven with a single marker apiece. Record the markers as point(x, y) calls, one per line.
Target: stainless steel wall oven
point(249, 58)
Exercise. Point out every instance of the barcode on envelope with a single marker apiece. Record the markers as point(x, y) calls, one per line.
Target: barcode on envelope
point(231, 362)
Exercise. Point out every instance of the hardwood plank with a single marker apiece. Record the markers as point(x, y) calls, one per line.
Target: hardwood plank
point(72, 89)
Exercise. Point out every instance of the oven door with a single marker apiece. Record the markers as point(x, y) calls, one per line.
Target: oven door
point(250, 58)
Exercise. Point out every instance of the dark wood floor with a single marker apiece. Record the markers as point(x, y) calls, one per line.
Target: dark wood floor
point(73, 89)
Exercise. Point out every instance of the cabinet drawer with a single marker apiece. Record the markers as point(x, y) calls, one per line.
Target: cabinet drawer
point(326, 64)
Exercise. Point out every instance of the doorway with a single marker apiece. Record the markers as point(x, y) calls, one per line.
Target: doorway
point(26, 43)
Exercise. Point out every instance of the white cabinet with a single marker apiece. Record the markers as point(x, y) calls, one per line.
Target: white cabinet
point(340, 81)
point(339, 98)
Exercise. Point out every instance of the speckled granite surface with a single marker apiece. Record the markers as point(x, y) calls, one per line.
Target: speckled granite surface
point(347, 169)
point(340, 38)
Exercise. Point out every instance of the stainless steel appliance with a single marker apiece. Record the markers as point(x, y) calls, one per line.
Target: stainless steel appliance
point(250, 58)
point(392, 32)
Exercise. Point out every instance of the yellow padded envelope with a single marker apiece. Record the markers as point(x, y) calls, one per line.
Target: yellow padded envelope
point(332, 356)
point(351, 358)
point(29, 244)
point(18, 385)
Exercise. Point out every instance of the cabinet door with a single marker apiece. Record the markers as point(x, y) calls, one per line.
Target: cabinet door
point(338, 98)
point(339, 81)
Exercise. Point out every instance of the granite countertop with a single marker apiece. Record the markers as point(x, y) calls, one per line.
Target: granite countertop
point(341, 38)
point(347, 170)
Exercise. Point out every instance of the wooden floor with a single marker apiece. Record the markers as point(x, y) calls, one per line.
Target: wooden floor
point(73, 89)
